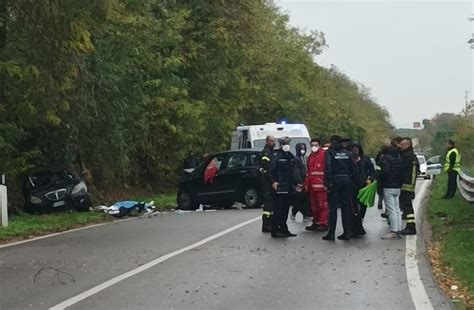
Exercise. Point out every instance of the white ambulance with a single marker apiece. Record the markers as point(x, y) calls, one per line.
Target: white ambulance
point(253, 136)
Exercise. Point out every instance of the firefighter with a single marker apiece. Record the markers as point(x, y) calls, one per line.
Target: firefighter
point(314, 184)
point(340, 175)
point(266, 184)
point(452, 165)
point(284, 178)
point(410, 169)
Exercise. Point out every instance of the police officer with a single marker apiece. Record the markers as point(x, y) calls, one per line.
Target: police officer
point(266, 184)
point(284, 178)
point(340, 176)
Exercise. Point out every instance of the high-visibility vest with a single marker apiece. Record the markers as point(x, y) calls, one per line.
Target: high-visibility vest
point(457, 163)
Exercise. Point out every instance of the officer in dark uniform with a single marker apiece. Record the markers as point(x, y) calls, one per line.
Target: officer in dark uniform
point(266, 184)
point(284, 178)
point(340, 176)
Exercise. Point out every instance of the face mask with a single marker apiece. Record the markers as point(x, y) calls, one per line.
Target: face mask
point(303, 152)
point(314, 149)
point(286, 148)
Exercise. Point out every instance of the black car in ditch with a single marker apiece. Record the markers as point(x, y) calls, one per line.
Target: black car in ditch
point(221, 180)
point(51, 189)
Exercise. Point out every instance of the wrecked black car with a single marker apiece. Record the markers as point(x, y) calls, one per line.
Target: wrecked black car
point(50, 189)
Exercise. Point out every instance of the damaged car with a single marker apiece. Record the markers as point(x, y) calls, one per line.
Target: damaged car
point(50, 189)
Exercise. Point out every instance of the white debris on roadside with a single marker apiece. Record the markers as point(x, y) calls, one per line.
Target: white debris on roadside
point(118, 209)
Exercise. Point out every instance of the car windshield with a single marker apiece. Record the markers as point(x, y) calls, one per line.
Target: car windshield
point(47, 177)
point(421, 160)
point(259, 144)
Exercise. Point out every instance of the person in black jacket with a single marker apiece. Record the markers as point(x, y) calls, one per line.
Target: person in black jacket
point(190, 163)
point(301, 203)
point(266, 156)
point(284, 178)
point(390, 178)
point(366, 172)
point(340, 175)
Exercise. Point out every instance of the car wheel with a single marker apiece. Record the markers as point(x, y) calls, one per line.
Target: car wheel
point(428, 177)
point(185, 201)
point(252, 197)
point(84, 206)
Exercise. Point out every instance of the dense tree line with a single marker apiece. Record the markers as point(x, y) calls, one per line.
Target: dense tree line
point(124, 88)
point(444, 126)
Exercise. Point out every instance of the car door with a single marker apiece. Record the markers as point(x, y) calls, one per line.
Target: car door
point(433, 165)
point(210, 188)
point(230, 178)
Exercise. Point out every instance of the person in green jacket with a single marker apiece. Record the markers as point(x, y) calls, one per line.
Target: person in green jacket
point(452, 165)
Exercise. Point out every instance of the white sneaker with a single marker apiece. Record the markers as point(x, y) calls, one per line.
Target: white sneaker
point(307, 219)
point(292, 217)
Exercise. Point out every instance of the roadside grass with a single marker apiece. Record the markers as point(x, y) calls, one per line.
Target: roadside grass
point(24, 226)
point(452, 224)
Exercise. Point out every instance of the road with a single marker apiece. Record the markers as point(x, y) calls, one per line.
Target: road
point(239, 268)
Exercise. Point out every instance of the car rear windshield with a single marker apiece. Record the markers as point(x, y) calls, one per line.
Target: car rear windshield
point(421, 159)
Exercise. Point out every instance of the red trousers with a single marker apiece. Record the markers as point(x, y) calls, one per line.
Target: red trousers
point(319, 207)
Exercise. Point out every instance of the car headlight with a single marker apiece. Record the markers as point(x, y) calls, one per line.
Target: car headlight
point(80, 188)
point(35, 200)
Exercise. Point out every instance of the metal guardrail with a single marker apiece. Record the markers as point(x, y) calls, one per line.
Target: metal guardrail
point(466, 186)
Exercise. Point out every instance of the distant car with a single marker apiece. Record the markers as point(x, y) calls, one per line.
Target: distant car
point(51, 189)
point(433, 166)
point(423, 168)
point(221, 180)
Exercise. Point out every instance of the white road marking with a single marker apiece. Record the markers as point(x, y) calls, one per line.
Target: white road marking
point(113, 281)
point(415, 284)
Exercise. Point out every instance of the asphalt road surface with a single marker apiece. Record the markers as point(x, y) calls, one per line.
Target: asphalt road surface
point(202, 260)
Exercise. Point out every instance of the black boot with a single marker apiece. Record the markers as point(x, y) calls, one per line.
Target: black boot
point(266, 224)
point(409, 230)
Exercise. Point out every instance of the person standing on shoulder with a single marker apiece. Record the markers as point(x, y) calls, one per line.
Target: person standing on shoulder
point(266, 156)
point(301, 197)
point(284, 178)
point(340, 174)
point(452, 165)
point(366, 176)
point(314, 184)
point(409, 172)
point(390, 178)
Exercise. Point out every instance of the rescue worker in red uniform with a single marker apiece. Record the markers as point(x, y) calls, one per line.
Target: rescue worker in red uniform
point(314, 184)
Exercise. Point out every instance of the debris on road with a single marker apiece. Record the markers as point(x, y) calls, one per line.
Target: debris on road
point(126, 207)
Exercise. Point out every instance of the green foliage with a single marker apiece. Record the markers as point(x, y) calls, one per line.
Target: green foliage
point(452, 223)
point(125, 87)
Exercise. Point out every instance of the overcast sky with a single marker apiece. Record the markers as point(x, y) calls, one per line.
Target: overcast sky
point(413, 55)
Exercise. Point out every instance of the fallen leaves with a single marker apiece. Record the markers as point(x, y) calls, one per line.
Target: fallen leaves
point(446, 279)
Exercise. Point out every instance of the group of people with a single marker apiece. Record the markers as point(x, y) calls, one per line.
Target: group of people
point(329, 177)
